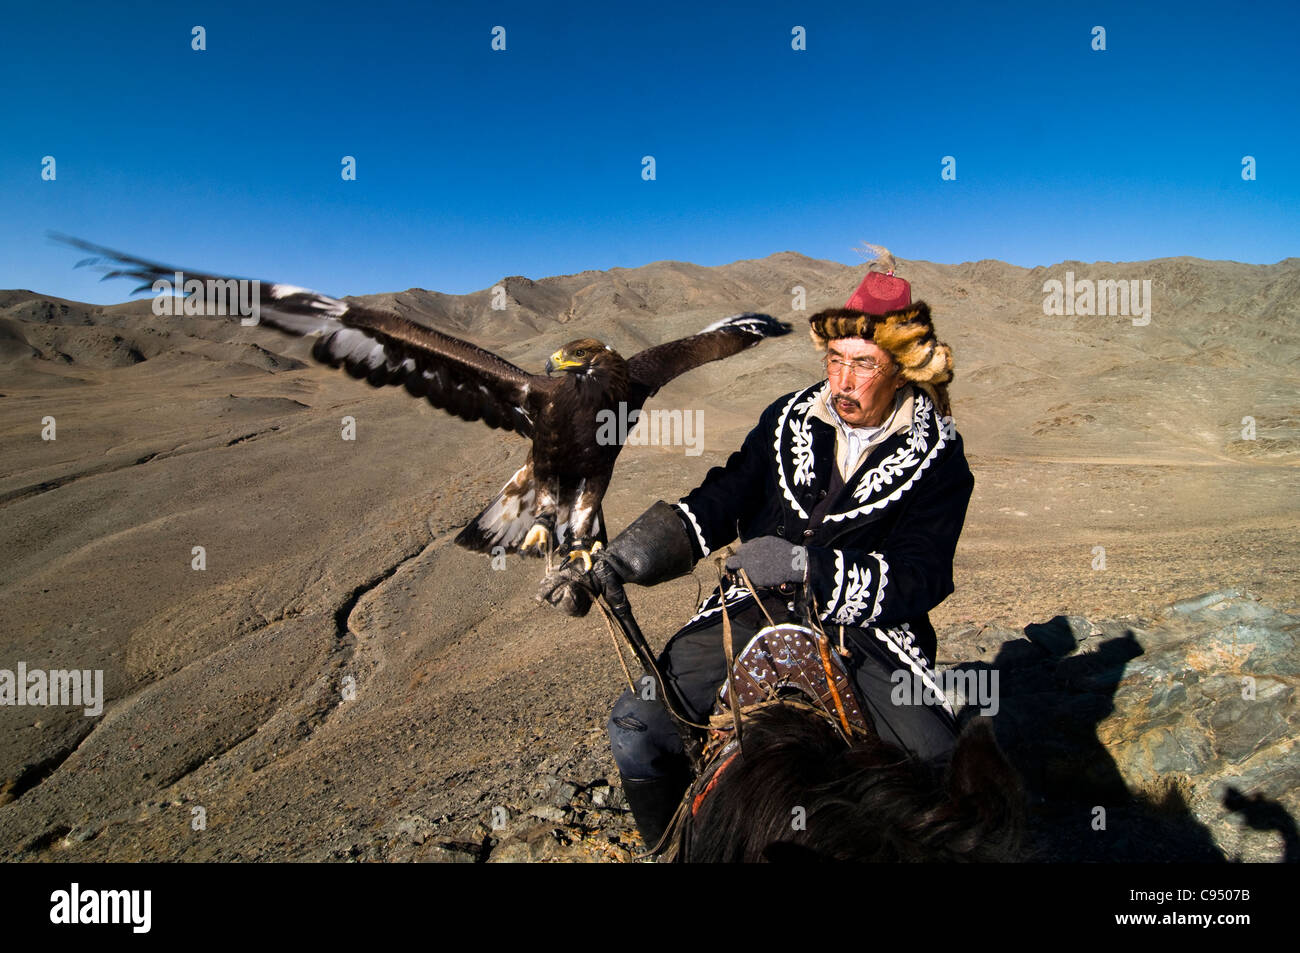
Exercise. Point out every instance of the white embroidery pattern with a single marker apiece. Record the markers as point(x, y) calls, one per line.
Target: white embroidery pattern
point(699, 533)
point(810, 395)
point(901, 641)
point(907, 639)
point(880, 587)
point(802, 448)
point(803, 454)
point(857, 597)
point(893, 465)
point(736, 593)
point(806, 405)
point(896, 463)
point(839, 584)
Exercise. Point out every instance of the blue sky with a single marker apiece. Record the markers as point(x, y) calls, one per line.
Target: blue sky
point(474, 164)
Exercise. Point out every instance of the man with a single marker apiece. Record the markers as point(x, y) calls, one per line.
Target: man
point(856, 487)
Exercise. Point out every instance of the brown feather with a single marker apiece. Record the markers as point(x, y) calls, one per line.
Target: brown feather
point(656, 366)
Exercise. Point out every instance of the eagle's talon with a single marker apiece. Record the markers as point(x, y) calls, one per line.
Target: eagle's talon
point(539, 540)
point(582, 554)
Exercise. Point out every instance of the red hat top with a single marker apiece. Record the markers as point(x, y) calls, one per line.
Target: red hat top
point(880, 293)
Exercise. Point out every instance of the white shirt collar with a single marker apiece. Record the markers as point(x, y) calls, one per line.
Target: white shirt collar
point(854, 444)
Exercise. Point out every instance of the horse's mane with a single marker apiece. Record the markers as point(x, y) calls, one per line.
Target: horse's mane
point(868, 802)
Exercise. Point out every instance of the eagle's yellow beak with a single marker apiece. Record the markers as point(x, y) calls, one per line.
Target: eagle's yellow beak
point(558, 362)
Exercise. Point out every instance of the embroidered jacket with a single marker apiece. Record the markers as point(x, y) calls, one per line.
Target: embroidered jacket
point(881, 558)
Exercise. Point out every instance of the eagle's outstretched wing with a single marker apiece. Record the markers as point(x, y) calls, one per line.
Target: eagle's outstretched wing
point(380, 346)
point(656, 366)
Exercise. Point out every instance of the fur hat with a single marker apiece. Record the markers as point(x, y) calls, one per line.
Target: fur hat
point(905, 333)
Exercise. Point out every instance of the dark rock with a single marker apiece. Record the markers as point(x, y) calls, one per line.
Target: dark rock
point(447, 854)
point(1166, 727)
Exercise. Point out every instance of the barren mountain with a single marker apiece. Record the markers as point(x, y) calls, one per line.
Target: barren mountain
point(340, 681)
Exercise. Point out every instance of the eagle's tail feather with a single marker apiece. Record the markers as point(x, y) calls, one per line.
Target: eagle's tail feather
point(506, 520)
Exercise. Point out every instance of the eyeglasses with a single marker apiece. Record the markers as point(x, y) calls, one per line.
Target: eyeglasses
point(857, 370)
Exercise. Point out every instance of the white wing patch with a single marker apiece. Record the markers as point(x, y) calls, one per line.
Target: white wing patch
point(759, 325)
point(314, 299)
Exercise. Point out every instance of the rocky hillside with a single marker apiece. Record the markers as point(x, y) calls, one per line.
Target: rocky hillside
point(337, 680)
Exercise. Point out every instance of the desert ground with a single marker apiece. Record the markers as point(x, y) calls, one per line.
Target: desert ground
point(342, 682)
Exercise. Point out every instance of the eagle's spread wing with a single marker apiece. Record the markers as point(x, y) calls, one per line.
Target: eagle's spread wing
point(656, 366)
point(380, 346)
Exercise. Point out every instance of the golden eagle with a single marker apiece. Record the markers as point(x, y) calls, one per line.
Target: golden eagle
point(554, 499)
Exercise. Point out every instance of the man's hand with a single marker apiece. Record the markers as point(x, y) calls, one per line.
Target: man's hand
point(568, 589)
point(770, 561)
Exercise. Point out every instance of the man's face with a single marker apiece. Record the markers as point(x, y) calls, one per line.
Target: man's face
point(861, 399)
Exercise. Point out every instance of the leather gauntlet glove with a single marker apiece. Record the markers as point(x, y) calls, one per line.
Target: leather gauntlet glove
point(654, 549)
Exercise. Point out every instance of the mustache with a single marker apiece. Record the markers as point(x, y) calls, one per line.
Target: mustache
point(847, 398)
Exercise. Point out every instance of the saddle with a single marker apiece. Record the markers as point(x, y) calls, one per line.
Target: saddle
point(788, 661)
point(784, 664)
